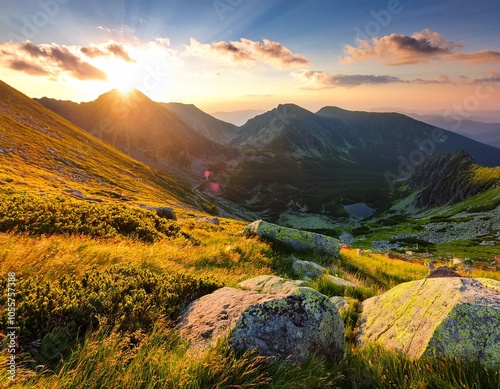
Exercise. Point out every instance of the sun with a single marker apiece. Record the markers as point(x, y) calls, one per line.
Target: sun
point(122, 81)
point(125, 89)
point(121, 76)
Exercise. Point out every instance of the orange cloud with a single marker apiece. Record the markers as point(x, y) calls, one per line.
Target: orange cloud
point(476, 57)
point(491, 76)
point(421, 47)
point(115, 49)
point(396, 49)
point(314, 79)
point(47, 60)
point(246, 51)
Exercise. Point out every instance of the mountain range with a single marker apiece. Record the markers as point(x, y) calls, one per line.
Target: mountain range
point(286, 160)
point(418, 186)
point(488, 133)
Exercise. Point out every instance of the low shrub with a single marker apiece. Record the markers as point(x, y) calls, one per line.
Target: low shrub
point(125, 297)
point(37, 215)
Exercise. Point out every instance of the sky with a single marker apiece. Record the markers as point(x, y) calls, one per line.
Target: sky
point(227, 55)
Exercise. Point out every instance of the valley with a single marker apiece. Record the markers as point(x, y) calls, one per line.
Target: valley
point(291, 166)
point(236, 194)
point(117, 213)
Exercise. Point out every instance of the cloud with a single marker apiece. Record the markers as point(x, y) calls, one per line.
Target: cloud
point(395, 49)
point(47, 60)
point(29, 68)
point(111, 48)
point(476, 57)
point(247, 52)
point(314, 79)
point(491, 76)
point(330, 80)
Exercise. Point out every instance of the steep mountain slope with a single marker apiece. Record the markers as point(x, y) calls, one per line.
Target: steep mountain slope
point(301, 162)
point(449, 179)
point(398, 136)
point(287, 160)
point(144, 129)
point(449, 207)
point(42, 152)
point(206, 125)
point(294, 131)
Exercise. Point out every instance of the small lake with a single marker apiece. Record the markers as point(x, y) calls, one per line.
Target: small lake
point(358, 210)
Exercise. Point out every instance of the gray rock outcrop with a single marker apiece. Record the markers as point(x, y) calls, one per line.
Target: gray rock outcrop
point(209, 220)
point(163, 212)
point(307, 269)
point(452, 317)
point(339, 281)
point(271, 284)
point(294, 239)
point(291, 326)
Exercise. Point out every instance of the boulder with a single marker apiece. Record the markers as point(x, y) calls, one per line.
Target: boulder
point(290, 326)
point(163, 212)
point(294, 239)
point(80, 196)
point(341, 303)
point(339, 281)
point(443, 271)
point(452, 317)
point(307, 269)
point(209, 220)
point(271, 284)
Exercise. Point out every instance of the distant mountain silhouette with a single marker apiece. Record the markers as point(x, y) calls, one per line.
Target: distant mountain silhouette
point(144, 129)
point(206, 125)
point(286, 160)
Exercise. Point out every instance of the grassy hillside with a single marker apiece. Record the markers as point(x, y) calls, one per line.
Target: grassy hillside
point(100, 283)
point(41, 152)
point(466, 229)
point(102, 311)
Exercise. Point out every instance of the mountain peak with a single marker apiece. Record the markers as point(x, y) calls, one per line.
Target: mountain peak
point(334, 112)
point(290, 108)
point(117, 95)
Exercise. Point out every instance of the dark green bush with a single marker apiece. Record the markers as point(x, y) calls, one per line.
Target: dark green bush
point(127, 297)
point(37, 215)
point(361, 230)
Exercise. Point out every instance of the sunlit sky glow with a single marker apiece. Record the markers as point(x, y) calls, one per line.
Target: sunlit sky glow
point(224, 55)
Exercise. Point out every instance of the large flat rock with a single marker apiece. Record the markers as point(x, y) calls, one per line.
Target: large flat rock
point(452, 317)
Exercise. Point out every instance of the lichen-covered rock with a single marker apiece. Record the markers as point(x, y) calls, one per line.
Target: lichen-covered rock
point(453, 317)
point(292, 326)
point(307, 269)
point(271, 284)
point(295, 239)
point(339, 281)
point(340, 302)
